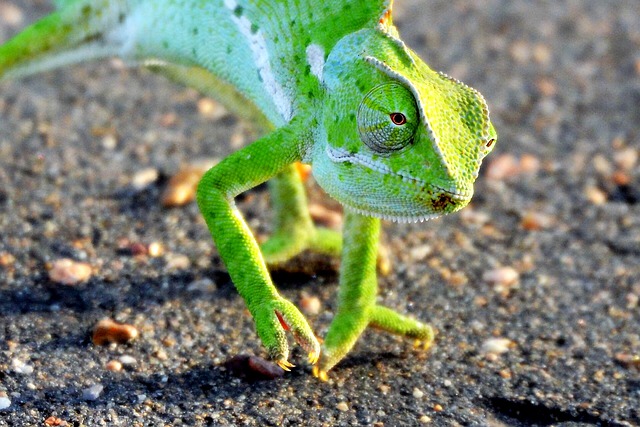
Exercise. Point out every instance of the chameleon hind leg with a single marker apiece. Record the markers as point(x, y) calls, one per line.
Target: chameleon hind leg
point(294, 230)
point(357, 306)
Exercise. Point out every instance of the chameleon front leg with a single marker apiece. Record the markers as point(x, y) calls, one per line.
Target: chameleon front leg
point(294, 230)
point(273, 315)
point(357, 307)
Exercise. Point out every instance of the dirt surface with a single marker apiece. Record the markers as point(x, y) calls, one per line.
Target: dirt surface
point(534, 288)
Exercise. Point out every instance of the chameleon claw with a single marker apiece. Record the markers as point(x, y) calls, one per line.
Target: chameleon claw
point(285, 364)
point(320, 374)
point(313, 357)
point(422, 344)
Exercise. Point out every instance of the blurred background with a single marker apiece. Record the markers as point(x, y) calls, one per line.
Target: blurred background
point(533, 288)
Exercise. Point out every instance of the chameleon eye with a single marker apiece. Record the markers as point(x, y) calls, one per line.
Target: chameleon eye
point(387, 118)
point(398, 119)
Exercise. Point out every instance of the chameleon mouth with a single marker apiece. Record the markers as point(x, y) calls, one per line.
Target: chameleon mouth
point(429, 200)
point(340, 155)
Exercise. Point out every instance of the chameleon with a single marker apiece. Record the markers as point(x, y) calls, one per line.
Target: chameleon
point(329, 84)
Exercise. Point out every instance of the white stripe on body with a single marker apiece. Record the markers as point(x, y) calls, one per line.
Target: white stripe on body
point(260, 52)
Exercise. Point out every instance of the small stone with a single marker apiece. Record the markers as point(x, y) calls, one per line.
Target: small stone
point(182, 186)
point(535, 221)
point(55, 421)
point(160, 354)
point(419, 253)
point(621, 178)
point(627, 158)
point(384, 389)
point(310, 305)
point(326, 217)
point(141, 398)
point(114, 366)
point(127, 360)
point(155, 249)
point(438, 408)
point(342, 406)
point(502, 276)
point(596, 195)
point(168, 119)
point(417, 393)
point(210, 109)
point(505, 373)
point(69, 272)
point(178, 262)
point(529, 164)
point(253, 368)
point(628, 360)
point(6, 259)
point(502, 167)
point(5, 402)
point(425, 419)
point(21, 367)
point(109, 141)
point(107, 331)
point(11, 14)
point(144, 178)
point(496, 346)
point(93, 392)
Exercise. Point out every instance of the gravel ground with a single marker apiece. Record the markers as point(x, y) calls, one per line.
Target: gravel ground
point(534, 288)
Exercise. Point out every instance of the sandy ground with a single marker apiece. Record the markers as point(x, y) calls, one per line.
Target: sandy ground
point(534, 288)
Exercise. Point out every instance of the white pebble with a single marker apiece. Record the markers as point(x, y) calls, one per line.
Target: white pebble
point(127, 360)
point(93, 392)
point(21, 367)
point(5, 402)
point(417, 393)
point(496, 345)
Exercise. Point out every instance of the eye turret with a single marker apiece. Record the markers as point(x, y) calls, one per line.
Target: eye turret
point(387, 118)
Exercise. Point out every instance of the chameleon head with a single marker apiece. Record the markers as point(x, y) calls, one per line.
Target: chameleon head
point(398, 140)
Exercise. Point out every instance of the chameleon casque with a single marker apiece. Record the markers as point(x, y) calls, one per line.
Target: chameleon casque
point(327, 83)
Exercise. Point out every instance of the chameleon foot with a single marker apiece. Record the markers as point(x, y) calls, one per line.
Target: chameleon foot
point(285, 364)
point(273, 319)
point(320, 374)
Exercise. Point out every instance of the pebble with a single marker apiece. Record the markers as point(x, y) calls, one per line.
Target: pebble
point(144, 178)
point(253, 368)
point(342, 406)
point(182, 186)
point(326, 217)
point(114, 366)
point(5, 402)
point(425, 419)
point(310, 305)
point(417, 393)
point(21, 367)
point(502, 276)
point(155, 249)
point(69, 272)
point(496, 345)
point(127, 360)
point(11, 14)
point(55, 422)
point(595, 195)
point(210, 109)
point(107, 331)
point(535, 221)
point(178, 262)
point(93, 392)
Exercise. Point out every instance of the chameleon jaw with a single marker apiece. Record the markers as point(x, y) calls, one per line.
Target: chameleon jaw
point(440, 200)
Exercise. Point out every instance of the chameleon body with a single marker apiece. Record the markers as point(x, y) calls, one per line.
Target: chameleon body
point(328, 83)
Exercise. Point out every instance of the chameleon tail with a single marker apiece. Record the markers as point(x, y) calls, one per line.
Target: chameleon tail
point(79, 30)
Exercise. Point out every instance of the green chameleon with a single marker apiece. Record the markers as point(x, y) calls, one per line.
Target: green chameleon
point(329, 84)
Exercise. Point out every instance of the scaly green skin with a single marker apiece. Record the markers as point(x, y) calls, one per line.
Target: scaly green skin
point(327, 83)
